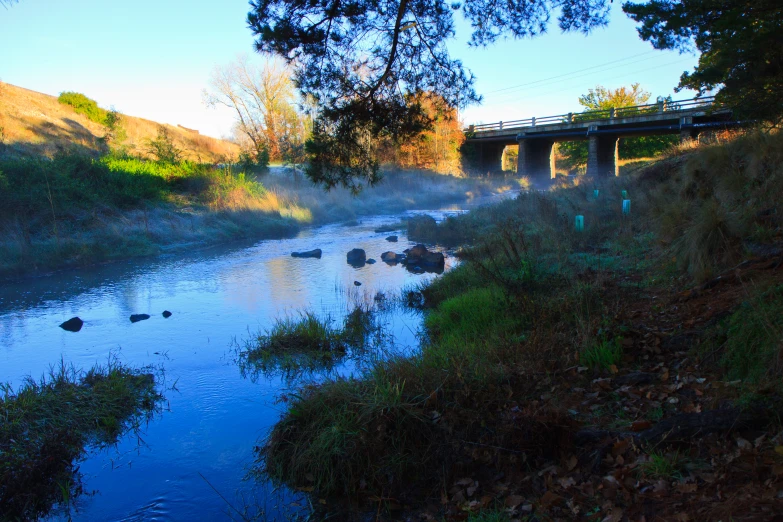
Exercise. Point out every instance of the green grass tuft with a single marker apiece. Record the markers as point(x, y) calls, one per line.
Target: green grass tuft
point(47, 425)
point(603, 354)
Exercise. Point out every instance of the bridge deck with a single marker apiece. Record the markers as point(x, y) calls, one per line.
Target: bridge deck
point(637, 119)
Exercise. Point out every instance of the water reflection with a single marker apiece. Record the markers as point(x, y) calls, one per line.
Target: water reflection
point(218, 297)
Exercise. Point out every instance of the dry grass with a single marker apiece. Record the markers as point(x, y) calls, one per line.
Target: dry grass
point(37, 124)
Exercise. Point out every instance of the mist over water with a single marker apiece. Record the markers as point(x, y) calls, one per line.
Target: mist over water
point(213, 417)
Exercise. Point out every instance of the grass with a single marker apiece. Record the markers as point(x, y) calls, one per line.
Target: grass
point(47, 425)
point(661, 465)
point(77, 210)
point(530, 294)
point(602, 355)
point(750, 339)
point(294, 345)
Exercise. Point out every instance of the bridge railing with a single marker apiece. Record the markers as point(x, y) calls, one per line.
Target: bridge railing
point(661, 106)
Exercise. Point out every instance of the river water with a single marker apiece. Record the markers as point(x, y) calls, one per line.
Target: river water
point(202, 442)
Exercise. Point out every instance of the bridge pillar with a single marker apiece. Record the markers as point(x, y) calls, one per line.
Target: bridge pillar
point(490, 157)
point(602, 154)
point(536, 158)
point(687, 131)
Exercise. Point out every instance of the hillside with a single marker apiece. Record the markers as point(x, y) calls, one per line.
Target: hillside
point(32, 123)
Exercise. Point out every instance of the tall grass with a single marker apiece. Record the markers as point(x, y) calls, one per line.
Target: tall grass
point(48, 424)
point(534, 295)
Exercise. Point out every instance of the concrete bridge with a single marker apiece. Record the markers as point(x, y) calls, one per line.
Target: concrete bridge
point(602, 129)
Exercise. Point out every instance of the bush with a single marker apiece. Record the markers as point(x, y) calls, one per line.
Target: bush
point(162, 148)
point(83, 105)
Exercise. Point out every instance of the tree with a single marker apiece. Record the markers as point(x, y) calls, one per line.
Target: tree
point(436, 148)
point(601, 98)
point(365, 61)
point(740, 45)
point(263, 98)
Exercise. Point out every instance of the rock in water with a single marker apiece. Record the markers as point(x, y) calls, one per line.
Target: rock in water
point(371, 261)
point(310, 253)
point(357, 257)
point(392, 239)
point(166, 314)
point(135, 318)
point(357, 283)
point(420, 256)
point(392, 257)
point(74, 324)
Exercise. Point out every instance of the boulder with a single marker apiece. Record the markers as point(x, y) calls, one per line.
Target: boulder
point(392, 257)
point(166, 314)
point(357, 257)
point(420, 256)
point(135, 318)
point(310, 253)
point(392, 239)
point(74, 324)
point(371, 261)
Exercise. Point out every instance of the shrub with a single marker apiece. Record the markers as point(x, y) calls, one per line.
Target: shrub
point(162, 148)
point(83, 105)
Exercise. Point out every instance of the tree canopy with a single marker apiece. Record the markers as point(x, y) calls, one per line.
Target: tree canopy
point(602, 98)
point(740, 45)
point(366, 63)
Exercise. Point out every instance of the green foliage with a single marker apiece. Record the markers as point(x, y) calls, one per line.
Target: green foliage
point(48, 424)
point(659, 465)
point(83, 105)
point(601, 98)
point(366, 63)
point(739, 44)
point(162, 148)
point(602, 355)
point(750, 339)
point(114, 131)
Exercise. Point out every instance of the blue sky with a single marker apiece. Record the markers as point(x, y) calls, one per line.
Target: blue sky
point(153, 59)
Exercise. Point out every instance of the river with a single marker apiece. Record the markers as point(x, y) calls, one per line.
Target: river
point(202, 442)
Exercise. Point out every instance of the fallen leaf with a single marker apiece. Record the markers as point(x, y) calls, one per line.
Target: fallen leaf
point(613, 368)
point(779, 450)
point(572, 462)
point(641, 425)
point(549, 499)
point(513, 501)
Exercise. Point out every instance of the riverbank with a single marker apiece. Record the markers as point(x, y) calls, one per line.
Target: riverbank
point(75, 211)
point(626, 369)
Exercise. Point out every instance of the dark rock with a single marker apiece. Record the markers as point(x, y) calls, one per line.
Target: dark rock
point(392, 239)
point(310, 253)
point(420, 256)
point(357, 257)
point(74, 324)
point(371, 261)
point(357, 283)
point(392, 257)
point(166, 314)
point(135, 318)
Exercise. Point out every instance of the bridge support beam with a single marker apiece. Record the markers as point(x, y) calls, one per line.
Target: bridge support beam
point(536, 158)
point(687, 131)
point(602, 154)
point(489, 157)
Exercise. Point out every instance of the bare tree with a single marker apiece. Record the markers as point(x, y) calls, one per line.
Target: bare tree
point(263, 97)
